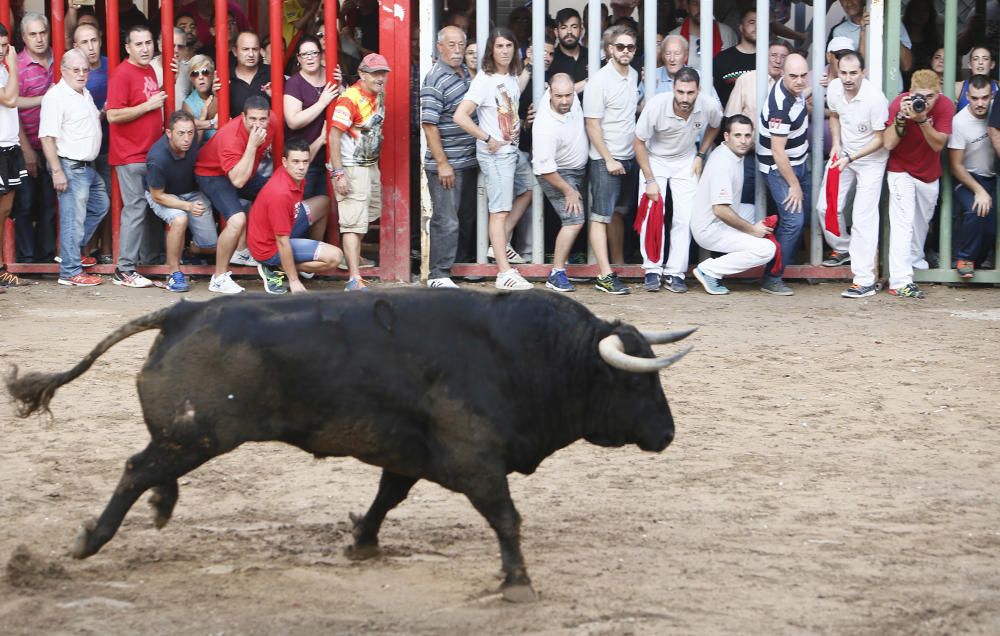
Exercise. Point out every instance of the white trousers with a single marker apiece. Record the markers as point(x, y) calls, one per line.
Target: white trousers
point(911, 206)
point(741, 251)
point(862, 241)
point(679, 175)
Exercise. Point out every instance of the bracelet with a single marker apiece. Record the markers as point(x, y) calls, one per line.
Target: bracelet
point(849, 157)
point(487, 140)
point(337, 172)
point(648, 181)
point(701, 155)
point(923, 121)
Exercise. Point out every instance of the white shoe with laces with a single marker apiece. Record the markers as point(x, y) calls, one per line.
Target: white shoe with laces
point(512, 256)
point(441, 283)
point(242, 257)
point(224, 284)
point(512, 280)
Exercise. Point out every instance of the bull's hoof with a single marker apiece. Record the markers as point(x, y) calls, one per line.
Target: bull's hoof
point(362, 552)
point(519, 593)
point(162, 510)
point(82, 547)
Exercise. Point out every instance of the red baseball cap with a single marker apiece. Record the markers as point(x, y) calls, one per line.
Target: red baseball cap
point(374, 62)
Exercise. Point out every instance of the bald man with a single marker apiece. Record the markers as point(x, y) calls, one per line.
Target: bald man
point(70, 132)
point(782, 150)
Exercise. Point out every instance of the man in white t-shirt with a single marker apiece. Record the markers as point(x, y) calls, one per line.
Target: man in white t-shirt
point(715, 223)
point(667, 153)
point(971, 158)
point(609, 105)
point(70, 132)
point(858, 114)
point(12, 168)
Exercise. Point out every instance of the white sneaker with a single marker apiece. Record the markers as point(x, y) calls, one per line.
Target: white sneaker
point(130, 279)
point(512, 280)
point(442, 283)
point(512, 256)
point(224, 284)
point(363, 263)
point(242, 257)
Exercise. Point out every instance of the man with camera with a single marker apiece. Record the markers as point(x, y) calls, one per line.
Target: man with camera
point(916, 133)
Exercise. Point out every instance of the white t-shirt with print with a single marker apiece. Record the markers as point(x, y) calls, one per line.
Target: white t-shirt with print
point(970, 134)
point(496, 98)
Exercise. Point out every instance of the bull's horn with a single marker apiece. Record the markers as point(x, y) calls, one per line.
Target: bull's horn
point(612, 351)
point(665, 337)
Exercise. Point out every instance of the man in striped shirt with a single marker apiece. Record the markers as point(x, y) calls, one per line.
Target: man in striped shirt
point(450, 161)
point(782, 149)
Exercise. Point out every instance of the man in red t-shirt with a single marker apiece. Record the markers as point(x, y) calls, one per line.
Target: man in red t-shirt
point(916, 133)
point(135, 115)
point(226, 172)
point(280, 222)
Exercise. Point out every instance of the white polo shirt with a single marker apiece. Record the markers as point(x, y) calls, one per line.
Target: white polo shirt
point(970, 134)
point(9, 122)
point(73, 120)
point(558, 142)
point(669, 135)
point(612, 97)
point(860, 117)
point(721, 183)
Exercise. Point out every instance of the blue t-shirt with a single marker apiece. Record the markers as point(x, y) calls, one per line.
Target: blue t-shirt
point(97, 83)
point(196, 103)
point(175, 175)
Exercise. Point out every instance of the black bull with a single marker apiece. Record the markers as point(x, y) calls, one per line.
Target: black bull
point(456, 387)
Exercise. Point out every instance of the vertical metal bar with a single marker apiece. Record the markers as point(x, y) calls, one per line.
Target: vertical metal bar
point(890, 87)
point(482, 214)
point(7, 249)
point(222, 57)
point(819, 99)
point(762, 62)
point(330, 54)
point(394, 234)
point(707, 43)
point(114, 51)
point(277, 79)
point(593, 37)
point(876, 41)
point(58, 39)
point(951, 54)
point(166, 55)
point(427, 40)
point(649, 46)
point(537, 90)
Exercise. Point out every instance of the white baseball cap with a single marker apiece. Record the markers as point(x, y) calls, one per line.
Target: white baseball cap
point(840, 43)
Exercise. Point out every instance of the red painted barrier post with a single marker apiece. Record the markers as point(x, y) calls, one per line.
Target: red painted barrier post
point(167, 56)
point(394, 42)
point(331, 44)
point(114, 48)
point(277, 79)
point(222, 58)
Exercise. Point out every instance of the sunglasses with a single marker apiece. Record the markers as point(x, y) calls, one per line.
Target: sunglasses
point(624, 47)
point(202, 72)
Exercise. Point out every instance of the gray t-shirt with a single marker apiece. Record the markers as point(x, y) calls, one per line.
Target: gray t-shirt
point(969, 133)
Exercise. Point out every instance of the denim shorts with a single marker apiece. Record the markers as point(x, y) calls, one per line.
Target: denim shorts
point(507, 176)
point(225, 197)
point(202, 227)
point(303, 249)
point(574, 177)
point(612, 194)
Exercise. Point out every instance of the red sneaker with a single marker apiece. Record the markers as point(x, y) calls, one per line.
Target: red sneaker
point(81, 280)
point(88, 261)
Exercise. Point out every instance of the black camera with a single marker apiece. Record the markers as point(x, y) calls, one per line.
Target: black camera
point(919, 103)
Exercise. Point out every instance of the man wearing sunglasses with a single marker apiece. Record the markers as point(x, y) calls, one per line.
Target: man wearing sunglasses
point(916, 133)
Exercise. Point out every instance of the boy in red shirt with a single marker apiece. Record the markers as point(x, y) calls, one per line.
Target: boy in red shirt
point(280, 222)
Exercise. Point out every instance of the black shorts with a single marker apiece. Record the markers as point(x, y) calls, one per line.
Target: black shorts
point(12, 168)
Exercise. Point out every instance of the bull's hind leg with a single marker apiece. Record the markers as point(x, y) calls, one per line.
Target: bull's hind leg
point(494, 503)
point(163, 500)
point(157, 466)
point(392, 489)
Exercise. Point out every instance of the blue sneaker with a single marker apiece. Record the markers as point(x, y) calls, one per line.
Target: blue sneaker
point(356, 284)
point(177, 283)
point(711, 284)
point(651, 282)
point(559, 282)
point(675, 284)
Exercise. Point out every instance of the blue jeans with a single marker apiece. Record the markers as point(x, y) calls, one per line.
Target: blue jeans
point(81, 208)
point(790, 224)
point(612, 193)
point(976, 234)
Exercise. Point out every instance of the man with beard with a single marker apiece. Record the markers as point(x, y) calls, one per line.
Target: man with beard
point(570, 57)
point(669, 126)
point(736, 61)
point(715, 224)
point(971, 158)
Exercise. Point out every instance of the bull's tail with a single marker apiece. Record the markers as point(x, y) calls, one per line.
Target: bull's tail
point(34, 391)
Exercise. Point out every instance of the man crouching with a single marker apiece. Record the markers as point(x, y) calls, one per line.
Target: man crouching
point(280, 222)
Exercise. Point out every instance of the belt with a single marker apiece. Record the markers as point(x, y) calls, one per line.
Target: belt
point(73, 163)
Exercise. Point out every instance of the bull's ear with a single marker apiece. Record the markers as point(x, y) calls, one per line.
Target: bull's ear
point(635, 342)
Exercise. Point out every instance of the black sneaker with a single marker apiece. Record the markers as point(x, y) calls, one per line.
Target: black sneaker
point(837, 259)
point(611, 284)
point(274, 280)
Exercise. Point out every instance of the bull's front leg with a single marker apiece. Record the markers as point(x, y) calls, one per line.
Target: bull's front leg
point(494, 503)
point(392, 490)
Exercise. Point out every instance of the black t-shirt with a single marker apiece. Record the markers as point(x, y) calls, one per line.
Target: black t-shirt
point(562, 63)
point(175, 175)
point(729, 65)
point(239, 90)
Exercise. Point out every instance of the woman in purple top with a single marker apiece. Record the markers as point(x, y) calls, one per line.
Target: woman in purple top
point(307, 95)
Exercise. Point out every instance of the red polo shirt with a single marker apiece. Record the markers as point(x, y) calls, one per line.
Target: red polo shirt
point(129, 86)
point(224, 150)
point(273, 213)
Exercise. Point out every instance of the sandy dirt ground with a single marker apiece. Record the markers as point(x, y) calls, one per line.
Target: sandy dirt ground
point(836, 470)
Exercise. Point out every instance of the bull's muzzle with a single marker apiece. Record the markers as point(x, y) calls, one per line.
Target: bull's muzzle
point(612, 351)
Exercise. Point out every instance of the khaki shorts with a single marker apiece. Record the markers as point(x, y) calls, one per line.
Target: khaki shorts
point(364, 204)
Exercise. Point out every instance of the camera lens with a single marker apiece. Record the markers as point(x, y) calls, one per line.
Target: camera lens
point(919, 104)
